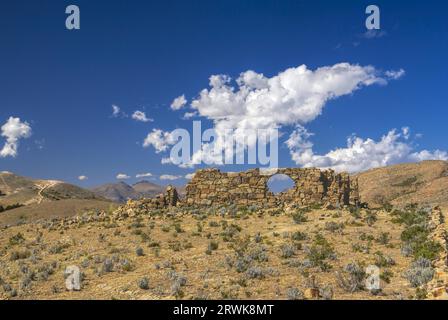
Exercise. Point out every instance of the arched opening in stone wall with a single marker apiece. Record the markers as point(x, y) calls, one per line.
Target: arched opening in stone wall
point(280, 183)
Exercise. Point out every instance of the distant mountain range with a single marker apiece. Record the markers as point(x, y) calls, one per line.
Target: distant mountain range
point(121, 191)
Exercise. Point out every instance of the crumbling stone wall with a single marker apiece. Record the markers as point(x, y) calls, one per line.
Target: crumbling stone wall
point(162, 201)
point(312, 186)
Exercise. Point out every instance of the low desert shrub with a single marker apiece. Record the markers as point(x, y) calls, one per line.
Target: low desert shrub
point(355, 212)
point(287, 251)
point(383, 238)
point(370, 218)
point(299, 236)
point(108, 265)
point(299, 216)
point(16, 239)
point(19, 255)
point(352, 278)
point(143, 283)
point(386, 276)
point(139, 252)
point(326, 292)
point(382, 260)
point(334, 227)
point(319, 252)
point(420, 272)
point(294, 294)
point(258, 253)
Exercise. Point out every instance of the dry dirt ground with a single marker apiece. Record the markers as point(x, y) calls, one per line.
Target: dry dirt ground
point(250, 256)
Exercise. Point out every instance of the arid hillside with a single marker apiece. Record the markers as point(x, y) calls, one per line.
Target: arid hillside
point(247, 253)
point(53, 210)
point(425, 183)
point(118, 192)
point(16, 189)
point(26, 200)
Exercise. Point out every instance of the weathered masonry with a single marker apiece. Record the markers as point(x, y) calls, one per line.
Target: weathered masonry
point(312, 186)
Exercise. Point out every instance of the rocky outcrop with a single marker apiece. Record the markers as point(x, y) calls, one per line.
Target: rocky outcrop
point(144, 206)
point(171, 197)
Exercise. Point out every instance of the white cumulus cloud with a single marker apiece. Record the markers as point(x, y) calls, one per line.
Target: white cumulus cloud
point(253, 101)
point(179, 103)
point(82, 178)
point(295, 96)
point(360, 154)
point(13, 130)
point(141, 116)
point(122, 176)
point(143, 175)
point(159, 139)
point(169, 177)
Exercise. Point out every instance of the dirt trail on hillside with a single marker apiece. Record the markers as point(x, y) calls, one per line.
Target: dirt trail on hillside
point(48, 184)
point(8, 189)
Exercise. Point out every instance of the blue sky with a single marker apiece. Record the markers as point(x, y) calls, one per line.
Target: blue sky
point(140, 55)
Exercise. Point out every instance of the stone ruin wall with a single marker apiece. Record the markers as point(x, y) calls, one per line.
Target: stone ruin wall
point(312, 186)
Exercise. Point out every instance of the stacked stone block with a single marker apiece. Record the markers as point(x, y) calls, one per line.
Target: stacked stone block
point(312, 186)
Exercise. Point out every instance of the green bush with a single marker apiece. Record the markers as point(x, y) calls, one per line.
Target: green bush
point(16, 239)
point(320, 251)
point(299, 216)
point(213, 245)
point(409, 216)
point(382, 260)
point(388, 207)
point(427, 249)
point(416, 234)
point(299, 236)
point(355, 212)
point(383, 238)
point(386, 276)
point(370, 218)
